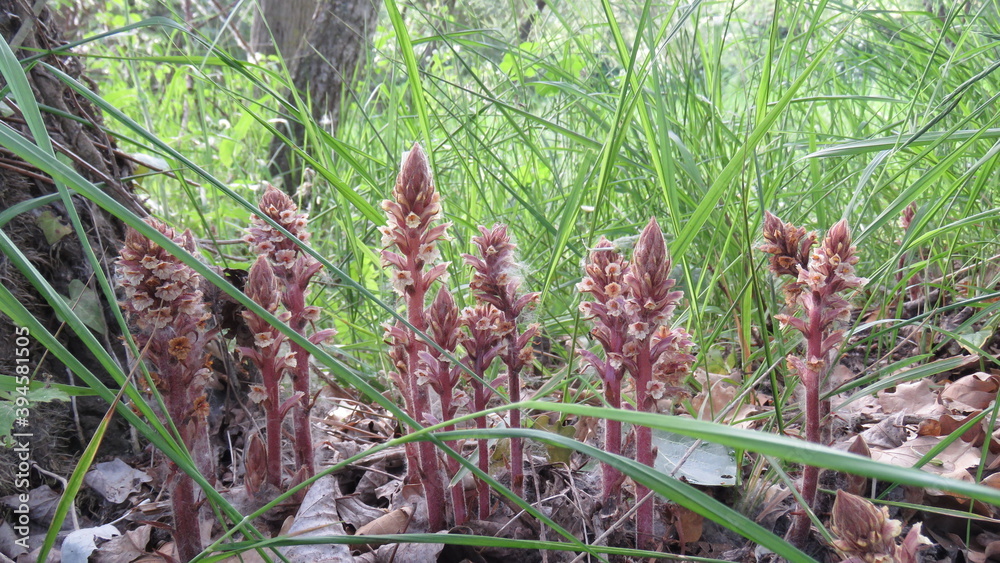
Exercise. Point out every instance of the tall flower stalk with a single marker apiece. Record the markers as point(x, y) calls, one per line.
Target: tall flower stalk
point(416, 205)
point(483, 343)
point(495, 280)
point(163, 300)
point(654, 353)
point(273, 362)
point(443, 378)
point(294, 270)
point(604, 281)
point(814, 308)
point(631, 311)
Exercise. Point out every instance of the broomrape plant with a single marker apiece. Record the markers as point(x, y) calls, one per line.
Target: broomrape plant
point(491, 330)
point(292, 270)
point(164, 300)
point(416, 205)
point(168, 308)
point(631, 315)
point(814, 307)
point(495, 280)
point(273, 362)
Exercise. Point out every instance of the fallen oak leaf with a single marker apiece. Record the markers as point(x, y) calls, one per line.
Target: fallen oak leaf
point(958, 455)
point(916, 398)
point(947, 424)
point(971, 392)
point(124, 548)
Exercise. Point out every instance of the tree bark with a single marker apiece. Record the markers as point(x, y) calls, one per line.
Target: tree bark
point(322, 42)
point(59, 430)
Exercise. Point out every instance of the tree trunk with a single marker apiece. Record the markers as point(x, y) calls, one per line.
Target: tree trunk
point(322, 42)
point(44, 236)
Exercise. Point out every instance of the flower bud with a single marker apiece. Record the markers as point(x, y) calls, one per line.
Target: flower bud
point(862, 529)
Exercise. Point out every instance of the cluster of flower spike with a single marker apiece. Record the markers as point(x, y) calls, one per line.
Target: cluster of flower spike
point(163, 297)
point(422, 372)
point(633, 303)
point(158, 287)
point(814, 308)
point(632, 307)
point(818, 281)
point(410, 238)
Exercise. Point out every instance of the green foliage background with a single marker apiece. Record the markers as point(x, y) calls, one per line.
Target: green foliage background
point(703, 114)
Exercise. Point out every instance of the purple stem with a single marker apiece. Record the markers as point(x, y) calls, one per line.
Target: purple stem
point(461, 511)
point(430, 470)
point(612, 437)
point(273, 422)
point(516, 446)
point(799, 532)
point(644, 445)
point(479, 403)
point(295, 302)
point(187, 527)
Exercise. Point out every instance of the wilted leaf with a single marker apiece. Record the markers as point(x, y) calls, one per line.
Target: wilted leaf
point(354, 512)
point(887, 434)
point(714, 400)
point(317, 516)
point(9, 545)
point(958, 455)
point(915, 398)
point(856, 484)
point(42, 505)
point(395, 522)
point(87, 305)
point(973, 342)
point(556, 454)
point(689, 524)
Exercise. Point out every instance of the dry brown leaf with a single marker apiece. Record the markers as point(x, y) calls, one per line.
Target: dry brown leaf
point(915, 398)
point(887, 434)
point(125, 548)
point(395, 522)
point(970, 393)
point(958, 455)
point(689, 524)
point(42, 505)
point(115, 480)
point(840, 375)
point(857, 484)
point(356, 512)
point(317, 516)
point(992, 481)
point(710, 403)
point(930, 427)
